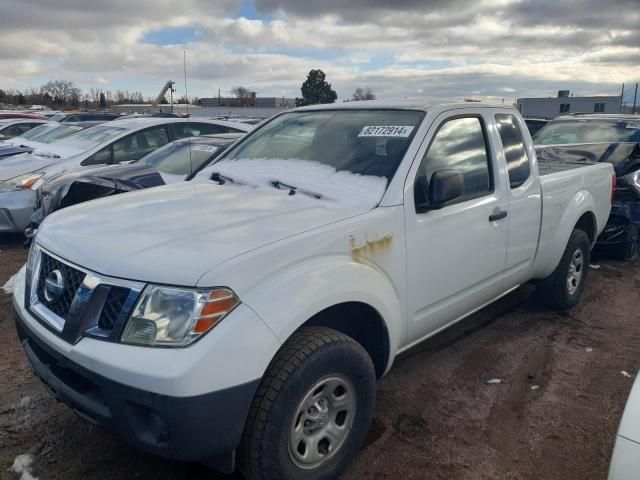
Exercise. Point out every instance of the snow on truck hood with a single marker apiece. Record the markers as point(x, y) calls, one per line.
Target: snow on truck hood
point(174, 234)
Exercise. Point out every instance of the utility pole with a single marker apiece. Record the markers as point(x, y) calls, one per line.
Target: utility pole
point(635, 97)
point(621, 96)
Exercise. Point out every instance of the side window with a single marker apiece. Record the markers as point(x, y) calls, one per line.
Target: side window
point(194, 129)
point(514, 149)
point(100, 157)
point(459, 144)
point(137, 145)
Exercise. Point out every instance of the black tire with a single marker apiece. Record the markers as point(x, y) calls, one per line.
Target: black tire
point(629, 248)
point(311, 354)
point(554, 290)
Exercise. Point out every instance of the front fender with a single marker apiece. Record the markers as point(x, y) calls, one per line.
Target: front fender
point(288, 298)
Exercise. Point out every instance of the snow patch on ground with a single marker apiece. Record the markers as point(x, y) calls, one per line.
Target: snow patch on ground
point(8, 287)
point(342, 187)
point(22, 466)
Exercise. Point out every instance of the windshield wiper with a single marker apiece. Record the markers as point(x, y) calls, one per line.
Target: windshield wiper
point(221, 179)
point(293, 190)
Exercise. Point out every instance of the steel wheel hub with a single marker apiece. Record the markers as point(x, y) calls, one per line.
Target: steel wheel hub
point(576, 268)
point(322, 421)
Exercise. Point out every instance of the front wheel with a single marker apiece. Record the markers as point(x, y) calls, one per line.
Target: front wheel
point(562, 289)
point(312, 410)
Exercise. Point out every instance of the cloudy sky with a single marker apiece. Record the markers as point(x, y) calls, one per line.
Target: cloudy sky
point(432, 48)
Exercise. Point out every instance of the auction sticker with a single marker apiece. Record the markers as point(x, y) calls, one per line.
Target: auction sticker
point(386, 131)
point(633, 125)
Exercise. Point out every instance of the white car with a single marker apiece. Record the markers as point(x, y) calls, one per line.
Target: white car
point(251, 309)
point(625, 462)
point(112, 142)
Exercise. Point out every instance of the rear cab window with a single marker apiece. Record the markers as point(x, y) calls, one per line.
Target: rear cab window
point(514, 149)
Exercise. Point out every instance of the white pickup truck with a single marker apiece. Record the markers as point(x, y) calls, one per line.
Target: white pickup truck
point(252, 309)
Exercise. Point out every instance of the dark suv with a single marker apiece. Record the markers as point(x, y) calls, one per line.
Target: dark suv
point(603, 138)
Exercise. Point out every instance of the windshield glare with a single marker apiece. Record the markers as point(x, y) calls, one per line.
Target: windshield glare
point(92, 137)
point(57, 133)
point(36, 131)
point(588, 131)
point(344, 156)
point(174, 158)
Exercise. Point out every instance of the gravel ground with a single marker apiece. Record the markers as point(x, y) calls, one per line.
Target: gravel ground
point(554, 416)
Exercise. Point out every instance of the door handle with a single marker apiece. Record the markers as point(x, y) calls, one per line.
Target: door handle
point(497, 215)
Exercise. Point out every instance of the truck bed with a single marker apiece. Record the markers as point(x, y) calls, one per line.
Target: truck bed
point(547, 167)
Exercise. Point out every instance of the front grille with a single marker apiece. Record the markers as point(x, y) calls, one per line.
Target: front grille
point(72, 280)
point(112, 307)
point(81, 303)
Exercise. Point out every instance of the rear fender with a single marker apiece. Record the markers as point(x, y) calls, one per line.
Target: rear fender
point(583, 202)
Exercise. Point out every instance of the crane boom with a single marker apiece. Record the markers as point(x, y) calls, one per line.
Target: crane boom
point(167, 86)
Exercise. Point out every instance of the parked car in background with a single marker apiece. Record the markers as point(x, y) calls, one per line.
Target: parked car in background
point(625, 461)
point(535, 124)
point(84, 116)
point(10, 128)
point(40, 136)
point(31, 116)
point(252, 308)
point(112, 142)
point(607, 138)
point(177, 161)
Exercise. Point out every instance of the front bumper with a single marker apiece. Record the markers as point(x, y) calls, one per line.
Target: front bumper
point(206, 428)
point(16, 209)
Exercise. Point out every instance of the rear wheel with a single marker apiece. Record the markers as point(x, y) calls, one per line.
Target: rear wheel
point(562, 289)
point(312, 410)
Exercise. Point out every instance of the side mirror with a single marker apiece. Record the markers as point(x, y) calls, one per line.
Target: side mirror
point(2, 137)
point(444, 186)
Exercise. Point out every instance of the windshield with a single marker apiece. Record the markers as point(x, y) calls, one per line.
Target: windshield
point(58, 117)
point(344, 156)
point(588, 131)
point(92, 137)
point(34, 132)
point(57, 133)
point(175, 159)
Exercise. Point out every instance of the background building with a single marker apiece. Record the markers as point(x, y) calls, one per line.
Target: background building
point(564, 104)
point(251, 101)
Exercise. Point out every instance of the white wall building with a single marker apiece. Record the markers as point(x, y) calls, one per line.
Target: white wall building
point(563, 105)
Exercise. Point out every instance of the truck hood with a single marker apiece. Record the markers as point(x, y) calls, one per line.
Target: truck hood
point(174, 234)
point(21, 164)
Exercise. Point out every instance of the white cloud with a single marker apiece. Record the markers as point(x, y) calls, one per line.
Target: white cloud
point(398, 48)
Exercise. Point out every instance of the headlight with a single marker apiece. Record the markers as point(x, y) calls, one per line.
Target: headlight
point(31, 257)
point(21, 182)
point(176, 317)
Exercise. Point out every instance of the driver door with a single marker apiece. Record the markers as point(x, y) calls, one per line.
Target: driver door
point(456, 253)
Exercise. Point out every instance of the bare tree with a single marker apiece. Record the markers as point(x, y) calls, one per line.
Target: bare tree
point(363, 94)
point(94, 95)
point(242, 94)
point(62, 91)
